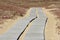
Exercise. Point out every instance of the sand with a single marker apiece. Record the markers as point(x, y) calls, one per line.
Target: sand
point(50, 30)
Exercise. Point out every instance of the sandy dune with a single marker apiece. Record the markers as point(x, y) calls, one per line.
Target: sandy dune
point(50, 30)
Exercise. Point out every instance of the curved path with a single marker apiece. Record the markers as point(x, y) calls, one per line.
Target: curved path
point(38, 30)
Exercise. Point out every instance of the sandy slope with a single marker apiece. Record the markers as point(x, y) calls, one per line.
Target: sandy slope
point(50, 30)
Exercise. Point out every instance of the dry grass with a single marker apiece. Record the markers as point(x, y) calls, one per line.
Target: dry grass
point(8, 11)
point(11, 8)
